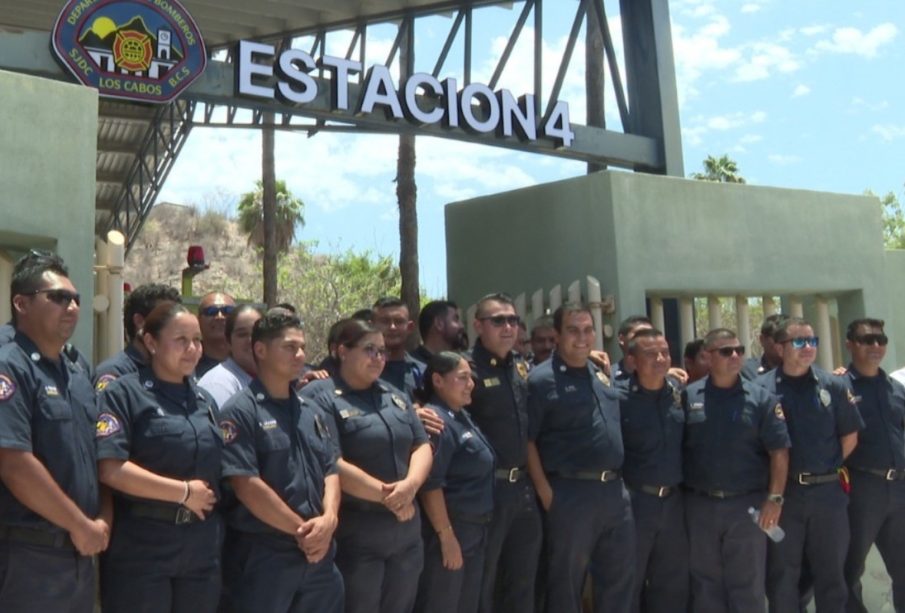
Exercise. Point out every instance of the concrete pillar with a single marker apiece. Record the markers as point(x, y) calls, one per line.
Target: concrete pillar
point(744, 322)
point(686, 320)
point(656, 313)
point(6, 278)
point(714, 317)
point(595, 302)
point(769, 306)
point(824, 330)
point(116, 259)
point(574, 291)
point(537, 305)
point(469, 324)
point(796, 306)
point(520, 307)
point(102, 303)
point(555, 298)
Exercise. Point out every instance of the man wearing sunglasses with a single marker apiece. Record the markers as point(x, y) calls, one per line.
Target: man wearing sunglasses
point(735, 457)
point(213, 310)
point(823, 422)
point(49, 499)
point(876, 510)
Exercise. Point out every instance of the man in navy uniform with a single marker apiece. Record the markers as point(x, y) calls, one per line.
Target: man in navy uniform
point(391, 316)
point(823, 424)
point(735, 457)
point(876, 511)
point(652, 431)
point(49, 501)
point(281, 462)
point(770, 358)
point(441, 329)
point(575, 459)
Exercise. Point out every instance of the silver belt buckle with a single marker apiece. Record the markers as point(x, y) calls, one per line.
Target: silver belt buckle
point(606, 476)
point(183, 516)
point(891, 474)
point(513, 474)
point(663, 491)
point(801, 477)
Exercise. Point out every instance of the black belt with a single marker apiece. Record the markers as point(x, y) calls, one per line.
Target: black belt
point(472, 519)
point(34, 536)
point(171, 515)
point(604, 476)
point(812, 479)
point(512, 475)
point(890, 474)
point(660, 491)
point(719, 493)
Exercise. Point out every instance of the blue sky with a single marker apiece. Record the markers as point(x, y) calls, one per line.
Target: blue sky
point(804, 94)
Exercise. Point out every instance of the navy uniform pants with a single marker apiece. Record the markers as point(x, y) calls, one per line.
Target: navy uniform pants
point(275, 577)
point(154, 566)
point(876, 514)
point(728, 554)
point(513, 547)
point(453, 591)
point(815, 519)
point(36, 578)
point(661, 553)
point(380, 559)
point(590, 528)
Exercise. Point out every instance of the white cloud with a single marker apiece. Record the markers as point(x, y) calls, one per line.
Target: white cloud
point(699, 127)
point(853, 41)
point(699, 51)
point(801, 90)
point(814, 30)
point(749, 139)
point(751, 7)
point(860, 104)
point(764, 59)
point(889, 132)
point(781, 159)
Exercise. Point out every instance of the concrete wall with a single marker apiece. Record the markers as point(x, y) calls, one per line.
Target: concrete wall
point(646, 235)
point(48, 153)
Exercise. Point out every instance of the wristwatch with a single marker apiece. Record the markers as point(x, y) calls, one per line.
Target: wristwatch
point(777, 498)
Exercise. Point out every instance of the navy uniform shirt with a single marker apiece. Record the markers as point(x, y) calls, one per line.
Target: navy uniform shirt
point(574, 418)
point(7, 333)
point(285, 442)
point(404, 374)
point(47, 408)
point(422, 354)
point(463, 464)
point(881, 402)
point(753, 368)
point(729, 433)
point(376, 428)
point(127, 361)
point(167, 428)
point(653, 425)
point(499, 404)
point(819, 408)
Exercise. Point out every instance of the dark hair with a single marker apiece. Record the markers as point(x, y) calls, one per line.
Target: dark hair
point(631, 322)
point(232, 317)
point(645, 333)
point(142, 301)
point(867, 322)
point(160, 316)
point(441, 363)
point(288, 307)
point(366, 315)
point(693, 348)
point(782, 331)
point(28, 273)
point(495, 297)
point(271, 326)
point(389, 302)
point(541, 323)
point(771, 324)
point(350, 331)
point(429, 314)
point(718, 334)
point(570, 307)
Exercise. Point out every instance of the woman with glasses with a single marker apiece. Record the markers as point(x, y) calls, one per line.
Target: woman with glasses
point(385, 458)
point(158, 449)
point(457, 497)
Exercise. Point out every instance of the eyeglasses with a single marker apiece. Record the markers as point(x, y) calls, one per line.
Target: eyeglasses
point(218, 309)
point(59, 296)
point(374, 352)
point(498, 321)
point(727, 352)
point(799, 342)
point(872, 339)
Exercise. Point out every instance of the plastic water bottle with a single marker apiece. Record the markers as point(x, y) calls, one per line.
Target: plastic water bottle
point(775, 533)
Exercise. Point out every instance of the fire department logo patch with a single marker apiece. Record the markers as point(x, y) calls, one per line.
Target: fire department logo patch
point(229, 431)
point(107, 425)
point(7, 388)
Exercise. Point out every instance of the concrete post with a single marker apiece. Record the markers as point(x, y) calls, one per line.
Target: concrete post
point(116, 260)
point(520, 307)
point(6, 278)
point(686, 320)
point(769, 306)
point(714, 317)
point(656, 313)
point(102, 306)
point(824, 330)
point(743, 319)
point(537, 305)
point(594, 301)
point(796, 306)
point(555, 298)
point(574, 291)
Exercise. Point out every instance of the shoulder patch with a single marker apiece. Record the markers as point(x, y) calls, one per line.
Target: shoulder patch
point(103, 381)
point(229, 431)
point(7, 388)
point(107, 425)
point(777, 410)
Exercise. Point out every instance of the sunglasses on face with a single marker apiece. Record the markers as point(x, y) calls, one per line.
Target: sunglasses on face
point(872, 339)
point(59, 296)
point(498, 321)
point(218, 309)
point(800, 342)
point(728, 351)
point(374, 352)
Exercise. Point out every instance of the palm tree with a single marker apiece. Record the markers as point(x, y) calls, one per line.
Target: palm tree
point(720, 170)
point(289, 212)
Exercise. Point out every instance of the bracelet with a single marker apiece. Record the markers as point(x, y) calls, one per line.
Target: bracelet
point(188, 492)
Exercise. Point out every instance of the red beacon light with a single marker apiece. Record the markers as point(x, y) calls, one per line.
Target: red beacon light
point(195, 257)
point(127, 288)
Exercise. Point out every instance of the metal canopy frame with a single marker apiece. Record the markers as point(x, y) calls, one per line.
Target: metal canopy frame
point(133, 161)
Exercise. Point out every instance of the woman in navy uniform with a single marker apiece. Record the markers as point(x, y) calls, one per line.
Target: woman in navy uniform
point(159, 450)
point(457, 497)
point(385, 460)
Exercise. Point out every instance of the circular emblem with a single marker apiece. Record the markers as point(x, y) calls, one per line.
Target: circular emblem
point(107, 425)
point(7, 388)
point(522, 369)
point(229, 431)
point(780, 415)
point(103, 381)
point(132, 51)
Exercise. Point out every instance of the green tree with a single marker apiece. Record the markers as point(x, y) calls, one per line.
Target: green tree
point(893, 220)
point(721, 169)
point(289, 213)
